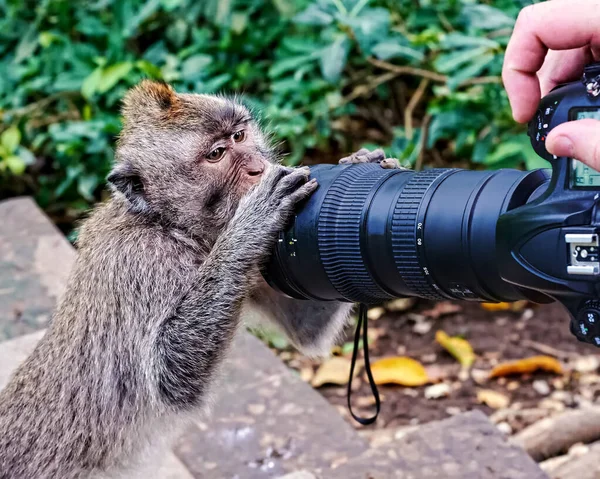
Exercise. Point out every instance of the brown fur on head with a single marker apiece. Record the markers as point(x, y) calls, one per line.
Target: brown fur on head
point(186, 159)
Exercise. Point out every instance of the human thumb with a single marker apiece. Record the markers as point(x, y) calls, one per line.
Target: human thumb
point(577, 139)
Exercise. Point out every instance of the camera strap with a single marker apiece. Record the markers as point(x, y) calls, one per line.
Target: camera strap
point(362, 324)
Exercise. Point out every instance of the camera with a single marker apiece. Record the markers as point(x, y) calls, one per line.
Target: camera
point(369, 234)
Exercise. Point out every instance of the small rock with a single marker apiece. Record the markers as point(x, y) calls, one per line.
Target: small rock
point(429, 358)
point(586, 364)
point(413, 393)
point(513, 385)
point(463, 374)
point(437, 391)
point(400, 304)
point(401, 350)
point(541, 387)
point(562, 396)
point(552, 405)
point(375, 313)
point(558, 383)
point(422, 327)
point(527, 314)
point(504, 428)
point(479, 375)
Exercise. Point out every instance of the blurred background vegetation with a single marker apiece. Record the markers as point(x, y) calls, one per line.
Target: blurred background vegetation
point(418, 77)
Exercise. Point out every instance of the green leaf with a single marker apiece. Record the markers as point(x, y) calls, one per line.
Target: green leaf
point(10, 139)
point(486, 17)
point(450, 62)
point(372, 25)
point(313, 15)
point(333, 59)
point(287, 64)
point(239, 22)
point(112, 75)
point(26, 155)
point(194, 67)
point(504, 151)
point(149, 69)
point(91, 82)
point(458, 40)
point(15, 164)
point(471, 71)
point(393, 49)
point(86, 184)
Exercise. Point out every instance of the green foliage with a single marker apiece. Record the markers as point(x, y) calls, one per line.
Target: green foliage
point(322, 71)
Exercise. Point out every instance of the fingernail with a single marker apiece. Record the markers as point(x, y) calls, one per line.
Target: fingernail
point(561, 146)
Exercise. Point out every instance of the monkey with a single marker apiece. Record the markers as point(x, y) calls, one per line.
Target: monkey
point(165, 268)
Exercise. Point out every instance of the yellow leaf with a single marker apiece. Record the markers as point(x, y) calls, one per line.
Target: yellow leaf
point(496, 306)
point(458, 347)
point(399, 370)
point(493, 399)
point(335, 370)
point(529, 365)
point(516, 306)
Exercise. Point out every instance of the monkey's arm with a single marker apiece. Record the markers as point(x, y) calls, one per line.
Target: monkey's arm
point(195, 336)
point(313, 326)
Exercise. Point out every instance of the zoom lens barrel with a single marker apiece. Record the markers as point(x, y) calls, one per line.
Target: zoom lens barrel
point(369, 234)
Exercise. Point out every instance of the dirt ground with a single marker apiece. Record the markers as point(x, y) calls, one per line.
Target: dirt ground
point(495, 337)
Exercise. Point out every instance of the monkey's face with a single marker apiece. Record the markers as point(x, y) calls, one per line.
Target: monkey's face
point(186, 158)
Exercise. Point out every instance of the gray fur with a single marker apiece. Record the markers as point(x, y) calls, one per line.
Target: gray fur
point(154, 300)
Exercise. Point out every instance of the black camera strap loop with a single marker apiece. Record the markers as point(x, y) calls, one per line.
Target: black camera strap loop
point(363, 324)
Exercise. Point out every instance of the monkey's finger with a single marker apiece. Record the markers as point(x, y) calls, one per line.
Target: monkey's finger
point(376, 156)
point(390, 163)
point(303, 192)
point(354, 157)
point(291, 182)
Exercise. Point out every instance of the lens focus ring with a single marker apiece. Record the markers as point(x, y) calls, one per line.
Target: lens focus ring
point(339, 232)
point(404, 233)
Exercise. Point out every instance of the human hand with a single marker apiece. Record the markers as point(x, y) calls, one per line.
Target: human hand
point(550, 45)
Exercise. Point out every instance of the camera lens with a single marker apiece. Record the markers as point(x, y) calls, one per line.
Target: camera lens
point(369, 234)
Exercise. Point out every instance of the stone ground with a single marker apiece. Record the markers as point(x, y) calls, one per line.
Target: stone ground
point(266, 422)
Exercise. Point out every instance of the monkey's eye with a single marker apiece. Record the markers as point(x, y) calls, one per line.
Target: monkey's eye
point(239, 136)
point(216, 154)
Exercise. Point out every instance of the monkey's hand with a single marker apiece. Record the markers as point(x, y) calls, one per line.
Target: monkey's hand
point(269, 206)
point(365, 156)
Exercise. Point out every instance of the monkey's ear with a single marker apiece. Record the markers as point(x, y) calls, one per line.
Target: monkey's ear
point(150, 99)
point(126, 180)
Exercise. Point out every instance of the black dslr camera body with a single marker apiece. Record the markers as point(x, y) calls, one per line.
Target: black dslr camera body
point(369, 234)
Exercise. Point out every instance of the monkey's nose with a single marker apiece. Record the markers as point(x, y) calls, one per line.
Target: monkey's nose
point(256, 171)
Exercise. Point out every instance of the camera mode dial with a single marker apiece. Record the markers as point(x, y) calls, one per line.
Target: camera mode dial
point(586, 325)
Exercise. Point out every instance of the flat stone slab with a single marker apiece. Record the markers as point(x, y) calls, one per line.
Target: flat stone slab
point(265, 422)
point(35, 260)
point(466, 446)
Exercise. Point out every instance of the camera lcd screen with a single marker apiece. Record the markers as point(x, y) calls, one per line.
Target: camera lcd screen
point(582, 176)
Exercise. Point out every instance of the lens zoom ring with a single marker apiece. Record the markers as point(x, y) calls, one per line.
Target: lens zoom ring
point(339, 233)
point(404, 233)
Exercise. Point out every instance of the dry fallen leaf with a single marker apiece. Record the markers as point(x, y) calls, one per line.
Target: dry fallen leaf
point(399, 370)
point(375, 313)
point(528, 365)
point(400, 304)
point(441, 309)
point(458, 347)
point(492, 398)
point(516, 306)
point(335, 370)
